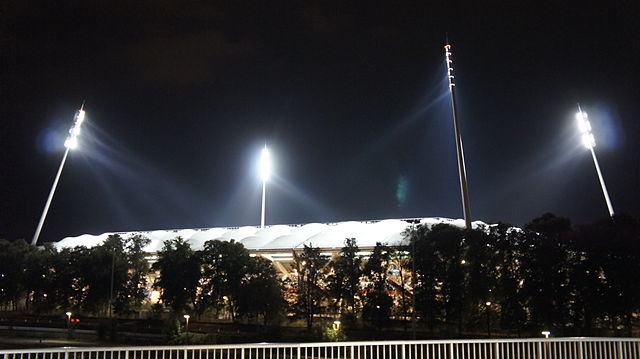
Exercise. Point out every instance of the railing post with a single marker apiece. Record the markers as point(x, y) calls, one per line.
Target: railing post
point(298, 352)
point(620, 352)
point(403, 345)
point(352, 352)
point(579, 350)
point(126, 354)
point(66, 355)
point(451, 350)
point(539, 350)
point(497, 350)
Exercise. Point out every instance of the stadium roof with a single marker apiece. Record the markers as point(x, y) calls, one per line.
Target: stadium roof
point(279, 237)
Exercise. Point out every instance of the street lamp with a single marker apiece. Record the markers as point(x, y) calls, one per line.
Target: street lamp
point(186, 318)
point(488, 304)
point(589, 143)
point(68, 324)
point(546, 333)
point(336, 325)
point(70, 143)
point(265, 172)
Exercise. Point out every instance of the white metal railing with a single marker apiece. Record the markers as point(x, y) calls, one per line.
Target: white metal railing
point(555, 348)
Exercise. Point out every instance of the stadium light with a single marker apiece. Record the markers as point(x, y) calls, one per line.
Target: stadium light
point(462, 172)
point(589, 142)
point(70, 143)
point(265, 173)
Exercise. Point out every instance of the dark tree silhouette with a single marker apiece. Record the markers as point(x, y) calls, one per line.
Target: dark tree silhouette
point(309, 286)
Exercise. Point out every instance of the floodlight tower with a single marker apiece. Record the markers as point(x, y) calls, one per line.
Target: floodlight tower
point(464, 190)
point(589, 142)
point(70, 143)
point(265, 172)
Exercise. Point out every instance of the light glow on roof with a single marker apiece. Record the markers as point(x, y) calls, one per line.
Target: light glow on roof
point(280, 237)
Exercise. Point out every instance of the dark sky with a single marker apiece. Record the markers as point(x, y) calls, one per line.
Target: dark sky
point(351, 98)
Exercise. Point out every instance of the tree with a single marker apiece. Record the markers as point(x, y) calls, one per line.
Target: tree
point(508, 292)
point(547, 270)
point(104, 270)
point(426, 287)
point(378, 302)
point(67, 288)
point(225, 265)
point(135, 291)
point(261, 291)
point(39, 278)
point(179, 268)
point(620, 268)
point(400, 277)
point(309, 287)
point(344, 281)
point(13, 257)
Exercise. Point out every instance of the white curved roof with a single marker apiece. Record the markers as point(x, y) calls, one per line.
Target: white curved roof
point(279, 237)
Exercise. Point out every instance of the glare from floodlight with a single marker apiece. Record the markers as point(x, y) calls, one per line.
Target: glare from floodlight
point(71, 143)
point(588, 140)
point(583, 123)
point(265, 164)
point(265, 172)
point(80, 116)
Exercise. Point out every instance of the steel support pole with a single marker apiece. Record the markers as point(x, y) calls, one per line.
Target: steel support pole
point(604, 187)
point(264, 193)
point(460, 151)
point(48, 203)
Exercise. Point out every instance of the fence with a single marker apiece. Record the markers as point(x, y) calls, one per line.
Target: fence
point(556, 348)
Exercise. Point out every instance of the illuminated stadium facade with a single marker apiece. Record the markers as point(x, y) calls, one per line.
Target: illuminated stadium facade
point(278, 242)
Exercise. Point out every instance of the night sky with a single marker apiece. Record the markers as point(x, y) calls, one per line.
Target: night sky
point(351, 99)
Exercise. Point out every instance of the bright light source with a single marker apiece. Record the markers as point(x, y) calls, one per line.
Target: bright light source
point(583, 124)
point(265, 164)
point(546, 333)
point(588, 141)
point(74, 132)
point(80, 116)
point(71, 143)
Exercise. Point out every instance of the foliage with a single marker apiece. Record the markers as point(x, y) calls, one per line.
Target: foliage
point(309, 287)
point(344, 283)
point(224, 268)
point(570, 280)
point(179, 268)
point(377, 301)
point(260, 292)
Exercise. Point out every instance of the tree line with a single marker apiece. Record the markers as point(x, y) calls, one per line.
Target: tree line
point(442, 281)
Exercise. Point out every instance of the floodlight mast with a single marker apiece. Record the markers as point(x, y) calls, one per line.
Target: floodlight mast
point(464, 190)
point(70, 143)
point(265, 172)
point(588, 140)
